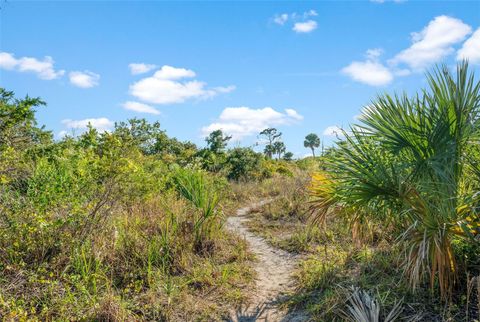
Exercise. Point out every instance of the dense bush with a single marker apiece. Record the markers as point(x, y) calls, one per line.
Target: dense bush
point(243, 163)
point(107, 226)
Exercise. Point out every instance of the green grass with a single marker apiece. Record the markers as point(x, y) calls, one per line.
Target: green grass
point(331, 262)
point(142, 264)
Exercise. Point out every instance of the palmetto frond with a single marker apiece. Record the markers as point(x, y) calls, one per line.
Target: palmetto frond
point(414, 162)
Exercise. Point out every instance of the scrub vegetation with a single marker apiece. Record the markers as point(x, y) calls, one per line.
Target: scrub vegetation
point(131, 224)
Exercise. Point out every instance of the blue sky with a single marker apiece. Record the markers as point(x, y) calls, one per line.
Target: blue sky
point(241, 66)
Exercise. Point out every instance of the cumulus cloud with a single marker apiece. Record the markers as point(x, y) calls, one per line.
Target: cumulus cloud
point(370, 71)
point(240, 122)
point(171, 73)
point(333, 131)
point(44, 69)
point(305, 27)
point(101, 124)
point(471, 49)
point(8, 61)
point(168, 85)
point(433, 43)
point(85, 79)
point(140, 108)
point(141, 68)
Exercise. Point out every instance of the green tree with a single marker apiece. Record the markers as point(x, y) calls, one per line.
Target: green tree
point(20, 138)
point(288, 156)
point(312, 141)
point(18, 127)
point(139, 132)
point(271, 135)
point(279, 148)
point(217, 141)
point(242, 163)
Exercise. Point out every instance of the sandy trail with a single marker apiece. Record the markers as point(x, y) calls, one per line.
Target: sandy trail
point(274, 268)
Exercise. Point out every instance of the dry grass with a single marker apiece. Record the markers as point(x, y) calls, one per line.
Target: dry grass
point(141, 265)
point(332, 261)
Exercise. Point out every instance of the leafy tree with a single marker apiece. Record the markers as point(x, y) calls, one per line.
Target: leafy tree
point(139, 132)
point(18, 127)
point(172, 150)
point(288, 156)
point(210, 161)
point(20, 138)
point(242, 163)
point(217, 141)
point(312, 141)
point(271, 135)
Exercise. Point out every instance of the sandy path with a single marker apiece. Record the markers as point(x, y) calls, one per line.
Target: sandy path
point(274, 267)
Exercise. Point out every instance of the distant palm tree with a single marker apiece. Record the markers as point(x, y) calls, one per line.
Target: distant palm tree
point(279, 148)
point(312, 141)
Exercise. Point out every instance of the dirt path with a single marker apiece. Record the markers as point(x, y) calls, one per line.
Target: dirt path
point(274, 267)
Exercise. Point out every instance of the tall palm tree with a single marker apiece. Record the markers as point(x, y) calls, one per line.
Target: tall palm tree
point(312, 141)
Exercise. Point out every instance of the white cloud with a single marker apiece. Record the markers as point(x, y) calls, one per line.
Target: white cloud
point(433, 43)
point(471, 49)
point(166, 87)
point(140, 107)
point(293, 114)
point(8, 61)
point(305, 27)
point(245, 121)
point(224, 89)
point(302, 23)
point(333, 131)
point(429, 46)
point(101, 124)
point(141, 68)
point(85, 79)
point(371, 71)
point(43, 68)
point(171, 73)
point(281, 19)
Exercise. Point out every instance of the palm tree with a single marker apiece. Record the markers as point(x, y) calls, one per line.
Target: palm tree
point(272, 135)
point(413, 162)
point(312, 141)
point(279, 148)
